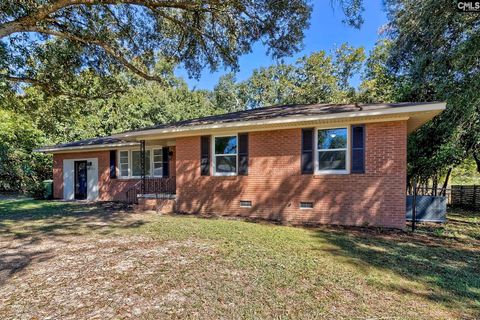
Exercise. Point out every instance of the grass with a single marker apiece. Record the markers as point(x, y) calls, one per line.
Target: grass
point(190, 267)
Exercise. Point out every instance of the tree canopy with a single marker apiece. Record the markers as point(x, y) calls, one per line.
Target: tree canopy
point(19, 166)
point(47, 43)
point(434, 55)
point(107, 35)
point(316, 78)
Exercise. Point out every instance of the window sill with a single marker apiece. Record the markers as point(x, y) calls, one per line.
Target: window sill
point(225, 177)
point(126, 178)
point(137, 178)
point(330, 173)
point(225, 174)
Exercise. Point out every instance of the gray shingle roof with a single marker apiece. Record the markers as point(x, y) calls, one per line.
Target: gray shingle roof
point(89, 142)
point(85, 143)
point(271, 112)
point(282, 111)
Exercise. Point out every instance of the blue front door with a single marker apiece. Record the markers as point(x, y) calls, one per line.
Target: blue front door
point(80, 180)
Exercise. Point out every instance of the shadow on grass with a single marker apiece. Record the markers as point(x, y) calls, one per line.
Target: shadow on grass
point(30, 218)
point(15, 258)
point(448, 269)
point(24, 224)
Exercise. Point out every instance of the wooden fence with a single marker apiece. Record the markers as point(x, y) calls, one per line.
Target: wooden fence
point(468, 196)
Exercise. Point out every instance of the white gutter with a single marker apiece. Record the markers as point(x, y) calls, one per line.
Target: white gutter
point(292, 119)
point(87, 147)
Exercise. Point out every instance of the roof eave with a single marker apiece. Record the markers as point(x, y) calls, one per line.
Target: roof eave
point(92, 147)
point(432, 107)
point(422, 112)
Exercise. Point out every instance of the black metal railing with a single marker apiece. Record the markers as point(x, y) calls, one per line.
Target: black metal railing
point(131, 195)
point(163, 185)
point(160, 185)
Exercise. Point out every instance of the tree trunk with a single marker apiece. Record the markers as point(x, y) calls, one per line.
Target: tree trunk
point(445, 183)
point(476, 157)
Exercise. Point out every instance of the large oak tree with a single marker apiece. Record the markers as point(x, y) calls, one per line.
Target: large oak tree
point(47, 42)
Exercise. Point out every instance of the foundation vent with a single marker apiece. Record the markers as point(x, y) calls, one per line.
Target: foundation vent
point(245, 203)
point(306, 205)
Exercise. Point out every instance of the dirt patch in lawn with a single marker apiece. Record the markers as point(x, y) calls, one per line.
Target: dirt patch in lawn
point(96, 277)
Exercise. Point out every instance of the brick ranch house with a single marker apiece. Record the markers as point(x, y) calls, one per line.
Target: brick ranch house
point(298, 164)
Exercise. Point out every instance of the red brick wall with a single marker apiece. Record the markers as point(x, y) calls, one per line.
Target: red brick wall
point(276, 187)
point(108, 189)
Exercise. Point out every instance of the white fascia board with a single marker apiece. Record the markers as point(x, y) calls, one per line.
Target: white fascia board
point(86, 148)
point(242, 123)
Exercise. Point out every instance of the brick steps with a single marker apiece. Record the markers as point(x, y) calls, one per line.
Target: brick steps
point(161, 203)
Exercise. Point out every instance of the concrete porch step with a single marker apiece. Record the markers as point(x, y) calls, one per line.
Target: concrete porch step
point(157, 196)
point(162, 203)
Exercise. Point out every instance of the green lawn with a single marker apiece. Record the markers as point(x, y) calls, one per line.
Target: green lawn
point(118, 263)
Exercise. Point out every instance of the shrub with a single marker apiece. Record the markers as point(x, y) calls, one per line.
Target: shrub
point(36, 190)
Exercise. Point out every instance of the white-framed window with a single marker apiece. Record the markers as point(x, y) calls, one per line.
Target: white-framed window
point(157, 162)
point(137, 165)
point(332, 147)
point(130, 163)
point(225, 155)
point(123, 163)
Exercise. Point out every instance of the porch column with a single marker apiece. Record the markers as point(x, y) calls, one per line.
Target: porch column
point(142, 165)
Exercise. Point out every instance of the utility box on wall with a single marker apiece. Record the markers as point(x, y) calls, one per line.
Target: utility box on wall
point(429, 208)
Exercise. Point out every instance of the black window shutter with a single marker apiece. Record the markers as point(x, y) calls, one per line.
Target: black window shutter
point(113, 164)
point(205, 156)
point(243, 154)
point(165, 168)
point(358, 149)
point(307, 151)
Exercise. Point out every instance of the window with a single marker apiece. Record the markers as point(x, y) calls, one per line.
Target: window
point(136, 163)
point(157, 162)
point(130, 165)
point(332, 146)
point(225, 155)
point(123, 163)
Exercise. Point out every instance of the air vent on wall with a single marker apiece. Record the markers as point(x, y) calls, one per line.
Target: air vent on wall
point(245, 204)
point(306, 205)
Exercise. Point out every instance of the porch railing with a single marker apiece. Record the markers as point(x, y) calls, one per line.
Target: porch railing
point(164, 185)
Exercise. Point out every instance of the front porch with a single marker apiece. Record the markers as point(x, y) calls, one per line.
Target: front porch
point(156, 157)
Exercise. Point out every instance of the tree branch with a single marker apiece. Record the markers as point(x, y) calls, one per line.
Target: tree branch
point(25, 22)
point(22, 79)
point(107, 48)
point(199, 33)
point(53, 91)
point(36, 21)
